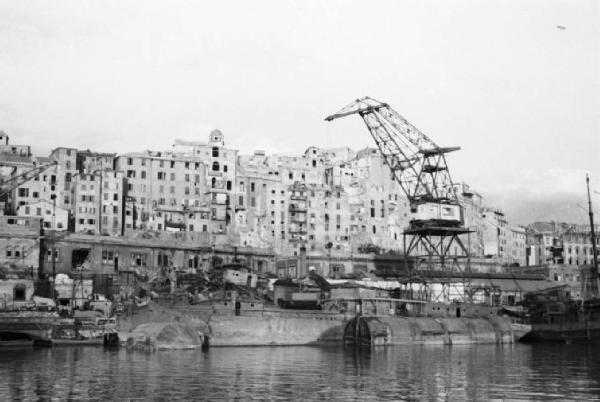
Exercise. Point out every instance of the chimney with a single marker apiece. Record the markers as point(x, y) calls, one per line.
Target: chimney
point(302, 263)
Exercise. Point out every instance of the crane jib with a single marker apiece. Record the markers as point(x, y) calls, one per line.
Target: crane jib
point(417, 163)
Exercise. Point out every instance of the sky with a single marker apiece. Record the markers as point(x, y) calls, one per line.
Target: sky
point(519, 94)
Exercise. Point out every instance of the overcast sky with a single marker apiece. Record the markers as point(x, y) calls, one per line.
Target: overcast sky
point(520, 95)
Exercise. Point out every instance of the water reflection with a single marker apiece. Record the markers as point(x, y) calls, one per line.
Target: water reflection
point(476, 372)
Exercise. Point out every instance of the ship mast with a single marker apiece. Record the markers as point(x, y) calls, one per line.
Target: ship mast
point(593, 234)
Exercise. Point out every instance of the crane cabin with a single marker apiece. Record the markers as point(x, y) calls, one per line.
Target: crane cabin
point(436, 214)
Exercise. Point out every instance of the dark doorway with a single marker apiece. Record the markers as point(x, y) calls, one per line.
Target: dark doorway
point(116, 264)
point(79, 256)
point(238, 308)
point(19, 293)
point(458, 312)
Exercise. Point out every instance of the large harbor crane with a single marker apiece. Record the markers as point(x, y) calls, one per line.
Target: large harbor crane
point(419, 166)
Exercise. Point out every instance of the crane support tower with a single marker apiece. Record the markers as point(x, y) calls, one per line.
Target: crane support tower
point(433, 237)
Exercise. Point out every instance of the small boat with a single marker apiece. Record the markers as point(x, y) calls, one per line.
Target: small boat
point(73, 333)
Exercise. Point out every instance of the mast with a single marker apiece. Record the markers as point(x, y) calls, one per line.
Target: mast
point(593, 234)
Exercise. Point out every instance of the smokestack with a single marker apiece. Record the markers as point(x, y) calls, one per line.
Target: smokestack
point(302, 263)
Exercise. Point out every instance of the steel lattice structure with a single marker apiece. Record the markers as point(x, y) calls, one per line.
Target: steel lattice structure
point(419, 165)
point(416, 162)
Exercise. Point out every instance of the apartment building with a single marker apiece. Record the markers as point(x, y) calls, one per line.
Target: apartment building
point(99, 202)
point(161, 189)
point(52, 217)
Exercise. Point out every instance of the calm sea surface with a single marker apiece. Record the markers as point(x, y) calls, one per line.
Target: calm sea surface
point(513, 372)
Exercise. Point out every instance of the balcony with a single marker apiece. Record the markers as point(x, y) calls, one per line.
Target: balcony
point(300, 230)
point(298, 218)
point(298, 197)
point(175, 225)
point(297, 208)
point(297, 237)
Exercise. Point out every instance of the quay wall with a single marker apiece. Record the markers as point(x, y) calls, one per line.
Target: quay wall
point(289, 327)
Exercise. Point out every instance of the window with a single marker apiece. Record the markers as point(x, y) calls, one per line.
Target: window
point(163, 259)
point(56, 254)
point(187, 177)
point(252, 187)
point(172, 176)
point(215, 152)
point(225, 168)
point(228, 184)
point(215, 166)
point(143, 174)
point(19, 292)
point(129, 161)
point(138, 259)
point(108, 256)
point(161, 175)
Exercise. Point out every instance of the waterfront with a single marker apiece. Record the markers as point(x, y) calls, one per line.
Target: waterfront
point(475, 372)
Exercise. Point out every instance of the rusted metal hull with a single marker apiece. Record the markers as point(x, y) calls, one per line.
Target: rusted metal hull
point(587, 331)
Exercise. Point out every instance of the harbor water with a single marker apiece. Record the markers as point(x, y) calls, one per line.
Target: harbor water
point(473, 372)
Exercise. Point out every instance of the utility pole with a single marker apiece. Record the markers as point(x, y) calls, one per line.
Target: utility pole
point(53, 249)
point(593, 233)
point(100, 204)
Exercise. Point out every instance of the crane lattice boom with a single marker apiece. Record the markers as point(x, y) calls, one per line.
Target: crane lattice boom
point(416, 162)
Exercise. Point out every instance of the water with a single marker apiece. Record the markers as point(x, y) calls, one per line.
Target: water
point(476, 372)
